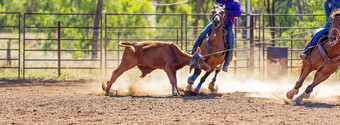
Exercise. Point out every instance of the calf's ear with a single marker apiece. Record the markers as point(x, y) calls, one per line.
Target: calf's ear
point(205, 67)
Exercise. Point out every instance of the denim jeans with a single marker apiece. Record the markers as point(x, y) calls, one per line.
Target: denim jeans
point(317, 36)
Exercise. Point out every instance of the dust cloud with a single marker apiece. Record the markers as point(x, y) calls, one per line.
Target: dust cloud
point(157, 84)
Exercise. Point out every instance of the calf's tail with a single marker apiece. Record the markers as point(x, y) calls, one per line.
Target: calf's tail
point(127, 45)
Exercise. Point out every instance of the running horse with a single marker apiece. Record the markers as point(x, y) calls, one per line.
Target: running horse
point(325, 58)
point(214, 50)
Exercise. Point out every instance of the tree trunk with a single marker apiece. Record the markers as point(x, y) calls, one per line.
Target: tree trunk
point(299, 9)
point(96, 29)
point(290, 3)
point(198, 10)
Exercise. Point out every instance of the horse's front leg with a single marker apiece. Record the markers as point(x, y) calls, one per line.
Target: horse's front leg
point(212, 83)
point(192, 78)
point(305, 70)
point(197, 89)
point(318, 78)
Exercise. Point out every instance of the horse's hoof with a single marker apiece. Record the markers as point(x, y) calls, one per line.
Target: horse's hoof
point(212, 88)
point(196, 91)
point(296, 101)
point(307, 96)
point(189, 87)
point(190, 81)
point(289, 96)
point(104, 85)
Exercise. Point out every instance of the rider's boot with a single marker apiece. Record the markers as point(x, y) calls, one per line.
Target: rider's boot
point(227, 59)
point(305, 54)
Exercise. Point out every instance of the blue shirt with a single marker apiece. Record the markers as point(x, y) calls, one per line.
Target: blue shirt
point(233, 9)
point(330, 6)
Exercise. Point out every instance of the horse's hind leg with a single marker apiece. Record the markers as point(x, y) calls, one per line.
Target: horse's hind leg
point(212, 83)
point(318, 78)
point(197, 89)
point(192, 78)
point(305, 70)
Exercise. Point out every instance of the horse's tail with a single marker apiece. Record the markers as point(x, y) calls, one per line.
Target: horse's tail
point(127, 45)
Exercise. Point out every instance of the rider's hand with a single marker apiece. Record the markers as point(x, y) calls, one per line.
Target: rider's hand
point(192, 52)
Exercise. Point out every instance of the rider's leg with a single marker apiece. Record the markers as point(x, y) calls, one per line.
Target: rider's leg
point(200, 38)
point(316, 37)
point(230, 46)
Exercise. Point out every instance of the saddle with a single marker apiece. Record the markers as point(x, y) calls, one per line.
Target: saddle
point(323, 39)
point(225, 40)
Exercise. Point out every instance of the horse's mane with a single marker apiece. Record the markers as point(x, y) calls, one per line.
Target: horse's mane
point(336, 13)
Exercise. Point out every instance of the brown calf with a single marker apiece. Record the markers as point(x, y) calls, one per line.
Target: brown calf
point(148, 56)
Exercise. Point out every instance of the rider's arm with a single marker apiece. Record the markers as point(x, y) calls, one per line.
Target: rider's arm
point(327, 10)
point(221, 2)
point(236, 10)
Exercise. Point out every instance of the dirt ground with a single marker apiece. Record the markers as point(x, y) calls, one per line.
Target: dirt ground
point(84, 103)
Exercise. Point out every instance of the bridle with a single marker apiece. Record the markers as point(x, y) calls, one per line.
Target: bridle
point(222, 17)
point(335, 38)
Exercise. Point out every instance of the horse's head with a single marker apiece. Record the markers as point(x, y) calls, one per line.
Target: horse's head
point(218, 14)
point(198, 62)
point(334, 34)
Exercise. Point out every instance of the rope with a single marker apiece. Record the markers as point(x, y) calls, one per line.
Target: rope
point(266, 41)
point(164, 4)
point(239, 47)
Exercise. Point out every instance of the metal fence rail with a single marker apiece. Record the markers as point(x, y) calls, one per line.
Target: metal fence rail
point(9, 49)
point(251, 40)
point(295, 39)
point(96, 47)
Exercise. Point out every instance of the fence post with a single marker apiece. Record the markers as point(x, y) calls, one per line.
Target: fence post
point(235, 46)
point(59, 49)
point(177, 37)
point(251, 43)
point(291, 52)
point(182, 31)
point(105, 45)
point(186, 32)
point(9, 52)
point(118, 48)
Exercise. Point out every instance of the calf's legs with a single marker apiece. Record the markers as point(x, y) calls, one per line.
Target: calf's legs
point(173, 80)
point(116, 73)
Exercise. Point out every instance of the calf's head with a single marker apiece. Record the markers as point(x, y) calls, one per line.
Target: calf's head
point(197, 62)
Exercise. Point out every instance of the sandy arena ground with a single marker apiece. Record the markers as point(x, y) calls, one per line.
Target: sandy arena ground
point(237, 102)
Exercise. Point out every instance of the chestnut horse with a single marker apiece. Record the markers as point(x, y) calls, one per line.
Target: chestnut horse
point(214, 47)
point(325, 58)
